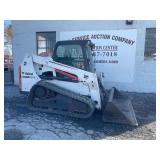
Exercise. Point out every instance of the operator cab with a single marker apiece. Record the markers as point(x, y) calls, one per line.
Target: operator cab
point(75, 53)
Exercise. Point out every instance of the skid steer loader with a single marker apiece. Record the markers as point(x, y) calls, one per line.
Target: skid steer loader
point(67, 84)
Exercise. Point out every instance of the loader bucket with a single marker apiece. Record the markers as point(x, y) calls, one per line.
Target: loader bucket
point(119, 109)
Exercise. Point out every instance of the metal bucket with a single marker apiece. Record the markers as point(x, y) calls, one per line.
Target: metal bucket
point(119, 109)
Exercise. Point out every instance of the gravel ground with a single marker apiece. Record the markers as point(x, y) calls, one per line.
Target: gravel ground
point(21, 123)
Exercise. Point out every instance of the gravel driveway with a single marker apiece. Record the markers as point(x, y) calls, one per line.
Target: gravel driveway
point(21, 123)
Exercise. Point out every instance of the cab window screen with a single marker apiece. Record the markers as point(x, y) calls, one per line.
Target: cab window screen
point(71, 55)
point(70, 51)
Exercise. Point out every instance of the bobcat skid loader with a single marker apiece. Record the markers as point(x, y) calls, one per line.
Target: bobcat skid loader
point(67, 84)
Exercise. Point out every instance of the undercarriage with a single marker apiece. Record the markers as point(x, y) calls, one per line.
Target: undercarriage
point(53, 99)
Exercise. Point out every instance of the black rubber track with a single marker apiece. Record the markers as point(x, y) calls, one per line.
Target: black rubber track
point(80, 98)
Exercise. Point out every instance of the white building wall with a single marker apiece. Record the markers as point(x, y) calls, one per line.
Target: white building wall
point(24, 42)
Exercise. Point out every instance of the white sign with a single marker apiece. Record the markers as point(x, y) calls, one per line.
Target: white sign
point(114, 52)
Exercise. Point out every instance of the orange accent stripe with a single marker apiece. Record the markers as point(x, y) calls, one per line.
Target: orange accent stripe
point(66, 74)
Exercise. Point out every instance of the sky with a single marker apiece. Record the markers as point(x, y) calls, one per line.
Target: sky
point(7, 23)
